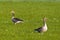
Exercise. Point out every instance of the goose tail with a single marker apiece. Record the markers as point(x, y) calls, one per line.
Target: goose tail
point(35, 30)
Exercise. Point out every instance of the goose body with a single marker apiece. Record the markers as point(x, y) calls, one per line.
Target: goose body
point(15, 20)
point(43, 28)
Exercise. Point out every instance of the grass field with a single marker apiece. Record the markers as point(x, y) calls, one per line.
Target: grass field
point(32, 14)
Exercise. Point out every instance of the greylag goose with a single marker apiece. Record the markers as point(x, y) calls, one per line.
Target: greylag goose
point(15, 20)
point(43, 28)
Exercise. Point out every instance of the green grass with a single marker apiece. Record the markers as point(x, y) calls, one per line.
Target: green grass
point(32, 14)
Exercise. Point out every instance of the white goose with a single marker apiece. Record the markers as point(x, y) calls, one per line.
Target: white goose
point(15, 20)
point(43, 28)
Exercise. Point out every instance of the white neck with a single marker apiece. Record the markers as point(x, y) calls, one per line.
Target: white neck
point(45, 24)
point(13, 17)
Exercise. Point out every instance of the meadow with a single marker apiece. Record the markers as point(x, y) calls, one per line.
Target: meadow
point(32, 14)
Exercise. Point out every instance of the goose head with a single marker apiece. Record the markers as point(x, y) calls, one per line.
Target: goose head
point(13, 14)
point(44, 19)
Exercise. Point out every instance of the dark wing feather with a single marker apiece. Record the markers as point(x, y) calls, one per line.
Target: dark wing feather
point(18, 19)
point(39, 29)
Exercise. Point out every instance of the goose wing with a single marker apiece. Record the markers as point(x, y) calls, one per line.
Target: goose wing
point(16, 19)
point(39, 29)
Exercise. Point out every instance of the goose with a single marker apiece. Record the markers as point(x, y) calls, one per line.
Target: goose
point(43, 28)
point(15, 20)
